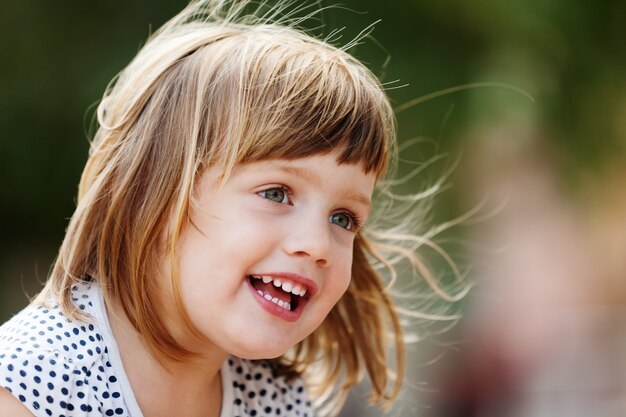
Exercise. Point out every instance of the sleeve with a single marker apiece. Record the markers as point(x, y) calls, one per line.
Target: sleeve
point(46, 383)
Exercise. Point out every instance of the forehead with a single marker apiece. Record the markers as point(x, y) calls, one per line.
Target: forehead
point(321, 172)
point(314, 168)
point(325, 171)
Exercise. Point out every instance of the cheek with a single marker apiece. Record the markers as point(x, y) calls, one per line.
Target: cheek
point(341, 279)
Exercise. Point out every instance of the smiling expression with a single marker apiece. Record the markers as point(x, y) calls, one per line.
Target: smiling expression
point(269, 253)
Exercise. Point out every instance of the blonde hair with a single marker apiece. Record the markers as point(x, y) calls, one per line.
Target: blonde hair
point(218, 87)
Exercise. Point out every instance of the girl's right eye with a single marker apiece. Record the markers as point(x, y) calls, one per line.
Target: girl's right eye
point(276, 194)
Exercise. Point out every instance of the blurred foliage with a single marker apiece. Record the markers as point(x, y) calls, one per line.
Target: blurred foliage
point(57, 58)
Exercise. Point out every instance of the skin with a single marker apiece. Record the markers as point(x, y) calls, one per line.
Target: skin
point(11, 406)
point(274, 216)
point(241, 229)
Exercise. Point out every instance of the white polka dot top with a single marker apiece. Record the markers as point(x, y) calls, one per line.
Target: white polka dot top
point(63, 368)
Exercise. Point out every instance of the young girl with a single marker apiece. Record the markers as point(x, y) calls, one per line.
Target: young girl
point(216, 263)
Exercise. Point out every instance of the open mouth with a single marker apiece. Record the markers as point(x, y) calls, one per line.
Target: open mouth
point(283, 292)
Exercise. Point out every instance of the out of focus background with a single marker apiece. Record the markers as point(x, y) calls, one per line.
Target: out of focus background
point(542, 331)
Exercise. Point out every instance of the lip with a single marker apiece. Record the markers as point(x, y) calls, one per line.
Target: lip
point(276, 310)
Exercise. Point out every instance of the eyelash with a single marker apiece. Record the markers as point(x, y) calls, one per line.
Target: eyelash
point(354, 219)
point(284, 189)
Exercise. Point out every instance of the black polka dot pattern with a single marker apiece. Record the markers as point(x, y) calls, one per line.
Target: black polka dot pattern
point(57, 367)
point(258, 392)
point(62, 368)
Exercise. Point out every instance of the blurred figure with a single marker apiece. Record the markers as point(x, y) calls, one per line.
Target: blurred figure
point(543, 334)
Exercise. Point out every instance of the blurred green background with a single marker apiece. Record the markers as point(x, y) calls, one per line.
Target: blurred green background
point(570, 56)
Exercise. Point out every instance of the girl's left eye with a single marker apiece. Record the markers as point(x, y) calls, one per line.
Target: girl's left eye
point(276, 194)
point(347, 221)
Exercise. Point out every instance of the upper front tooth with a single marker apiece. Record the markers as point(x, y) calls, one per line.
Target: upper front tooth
point(286, 285)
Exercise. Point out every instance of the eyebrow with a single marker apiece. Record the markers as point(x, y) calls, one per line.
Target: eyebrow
point(307, 175)
point(359, 198)
point(301, 173)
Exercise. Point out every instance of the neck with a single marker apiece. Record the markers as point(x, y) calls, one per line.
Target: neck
point(165, 387)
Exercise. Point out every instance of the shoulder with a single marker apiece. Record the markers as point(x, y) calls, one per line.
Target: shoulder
point(52, 364)
point(10, 406)
point(257, 390)
point(44, 333)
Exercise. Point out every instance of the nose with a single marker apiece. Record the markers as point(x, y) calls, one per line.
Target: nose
point(310, 239)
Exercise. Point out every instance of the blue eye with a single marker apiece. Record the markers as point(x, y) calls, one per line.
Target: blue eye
point(277, 195)
point(343, 220)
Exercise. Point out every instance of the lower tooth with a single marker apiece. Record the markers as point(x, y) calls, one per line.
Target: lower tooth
point(284, 304)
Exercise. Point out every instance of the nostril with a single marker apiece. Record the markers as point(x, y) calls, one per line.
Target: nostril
point(322, 262)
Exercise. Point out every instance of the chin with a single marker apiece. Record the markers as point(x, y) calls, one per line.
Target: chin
point(252, 354)
point(260, 355)
point(257, 350)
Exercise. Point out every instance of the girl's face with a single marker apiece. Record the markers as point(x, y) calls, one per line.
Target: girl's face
point(270, 252)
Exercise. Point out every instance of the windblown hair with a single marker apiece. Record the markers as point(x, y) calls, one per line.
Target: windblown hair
point(217, 87)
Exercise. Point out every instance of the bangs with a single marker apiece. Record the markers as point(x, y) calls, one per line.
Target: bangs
point(290, 97)
point(327, 111)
